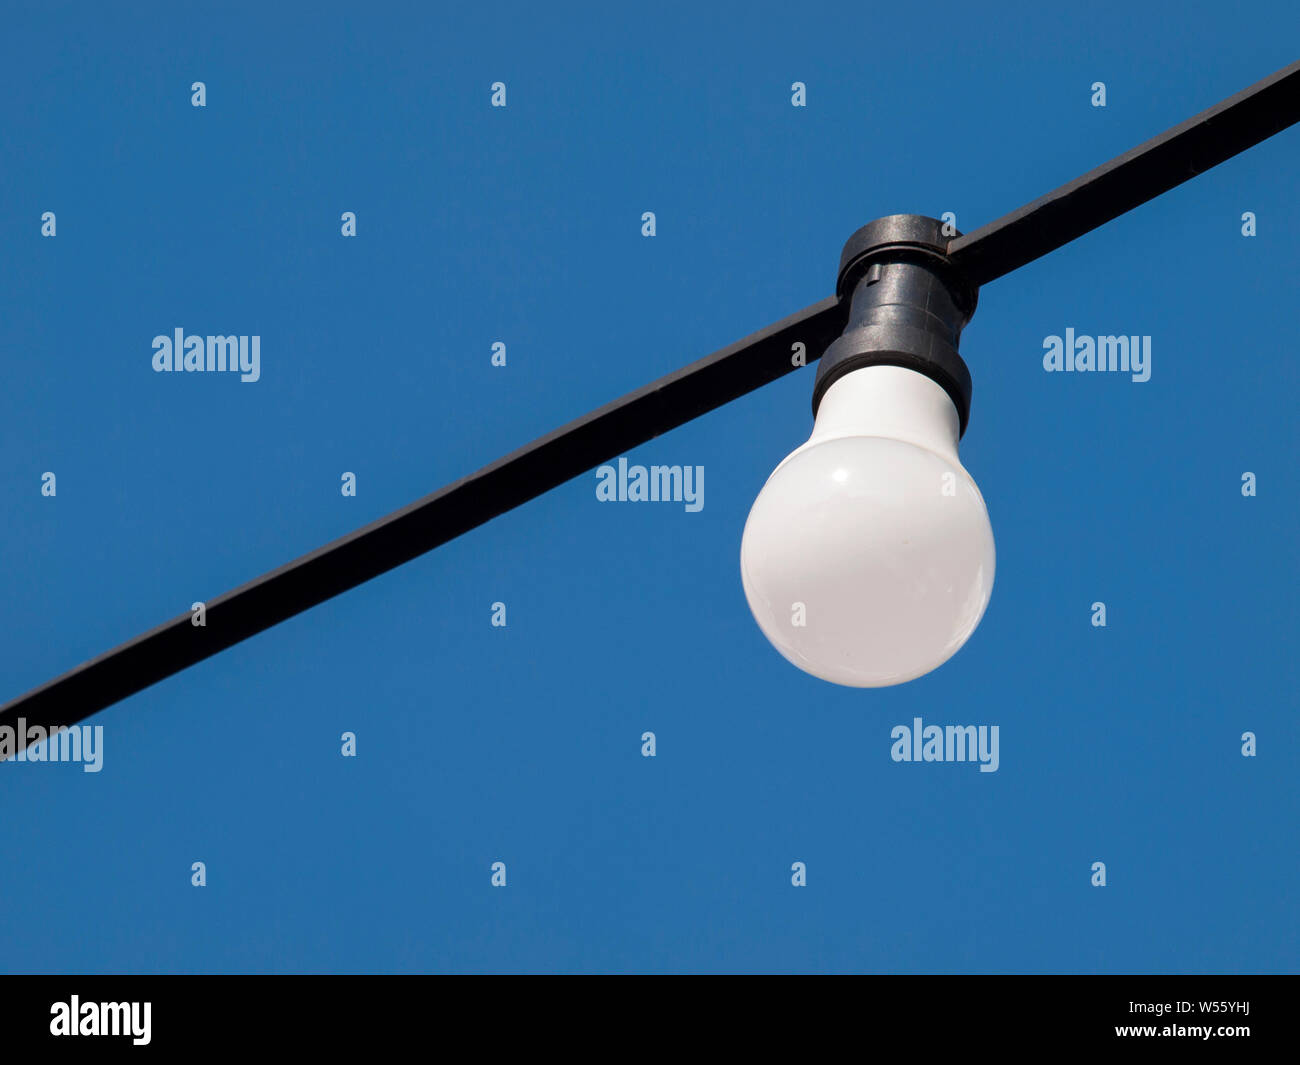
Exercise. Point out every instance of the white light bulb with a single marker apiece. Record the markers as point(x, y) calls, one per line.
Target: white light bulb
point(868, 556)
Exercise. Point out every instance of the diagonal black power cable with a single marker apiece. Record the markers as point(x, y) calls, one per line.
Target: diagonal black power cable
point(425, 524)
point(1018, 238)
point(1129, 180)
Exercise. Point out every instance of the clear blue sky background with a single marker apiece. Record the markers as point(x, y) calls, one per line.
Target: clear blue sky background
point(522, 744)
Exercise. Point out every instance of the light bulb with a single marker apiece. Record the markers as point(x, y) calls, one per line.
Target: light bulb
point(867, 559)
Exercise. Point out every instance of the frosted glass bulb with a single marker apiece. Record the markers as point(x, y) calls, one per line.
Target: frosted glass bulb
point(867, 559)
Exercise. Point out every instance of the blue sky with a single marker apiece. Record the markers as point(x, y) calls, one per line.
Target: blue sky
point(522, 744)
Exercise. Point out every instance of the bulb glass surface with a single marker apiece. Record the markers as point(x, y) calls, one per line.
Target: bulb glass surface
point(868, 556)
